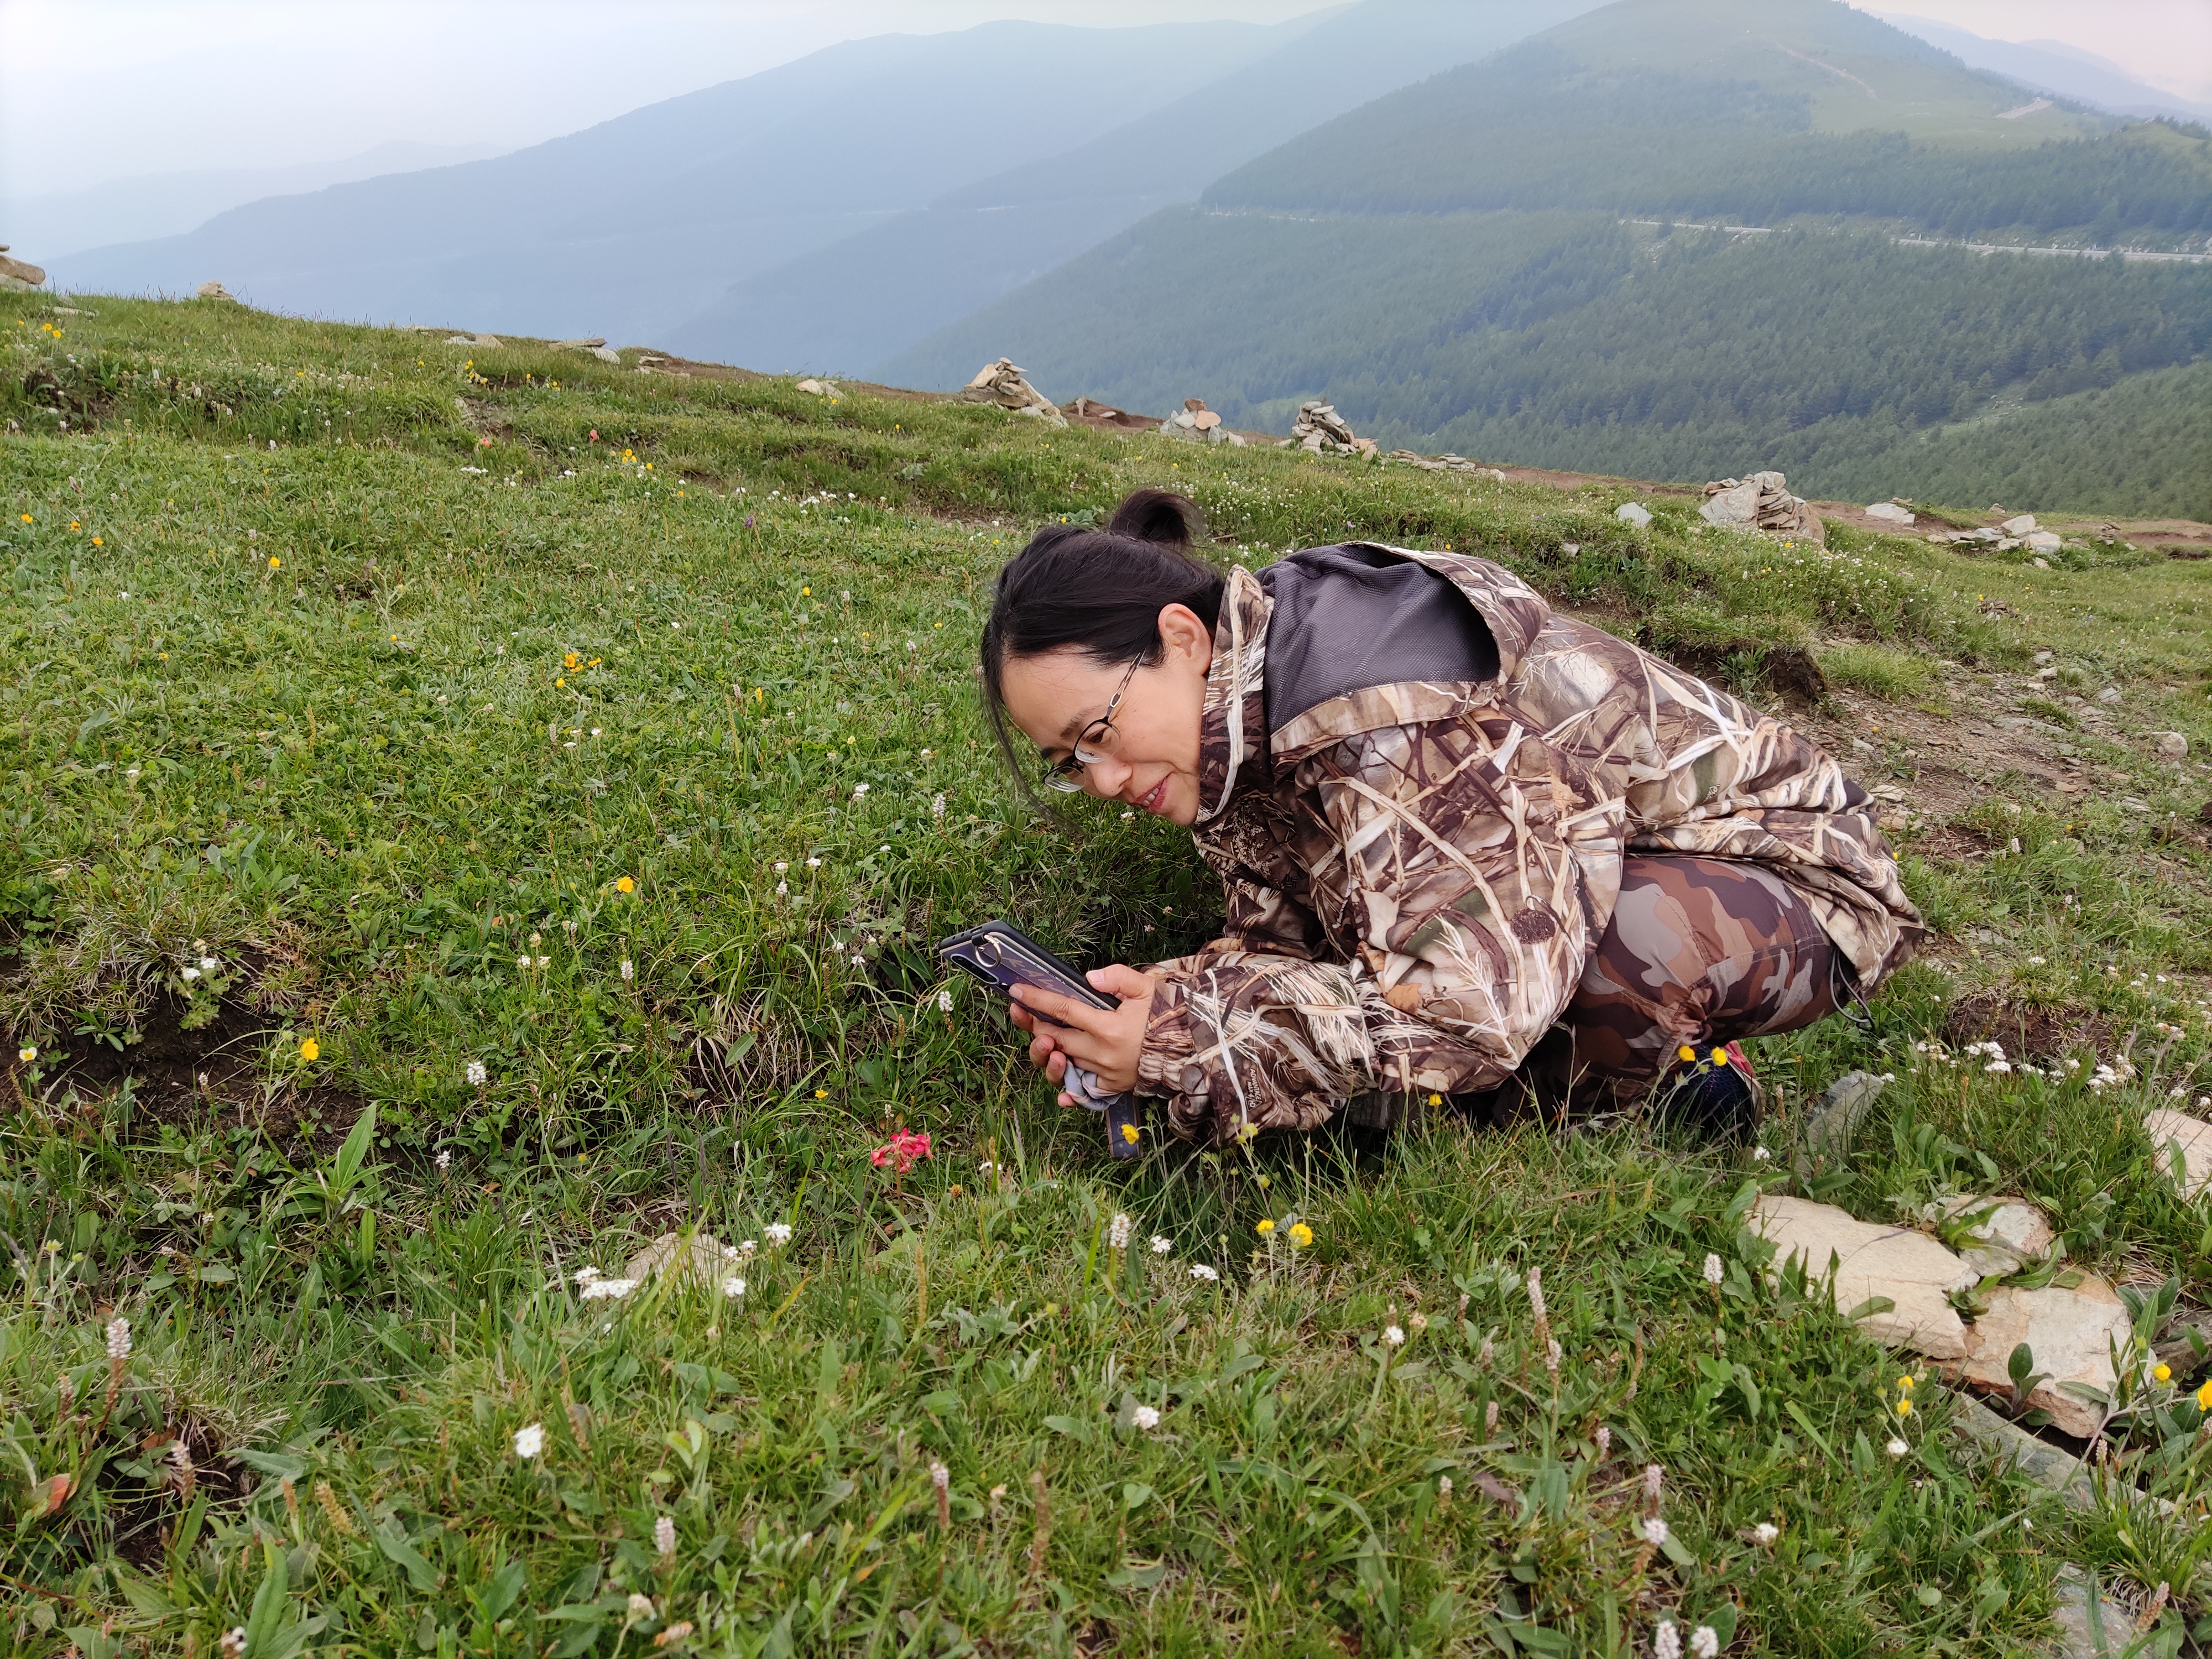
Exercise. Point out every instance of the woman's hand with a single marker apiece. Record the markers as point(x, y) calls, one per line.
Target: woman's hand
point(1103, 1042)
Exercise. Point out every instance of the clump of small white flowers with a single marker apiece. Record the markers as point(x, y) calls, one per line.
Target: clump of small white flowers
point(664, 1536)
point(1392, 1336)
point(1604, 1438)
point(1145, 1416)
point(1199, 1270)
point(1712, 1269)
point(1765, 1533)
point(641, 1607)
point(945, 1000)
point(523, 961)
point(1759, 1155)
point(778, 1233)
point(474, 1072)
point(191, 973)
point(609, 1289)
point(1443, 1485)
point(529, 1440)
point(1704, 1641)
point(1667, 1642)
point(1117, 1231)
point(1655, 1479)
point(629, 969)
point(860, 790)
point(745, 1249)
point(445, 1160)
point(733, 1287)
point(1897, 1448)
point(1161, 1244)
point(1652, 1530)
point(119, 1340)
point(232, 1643)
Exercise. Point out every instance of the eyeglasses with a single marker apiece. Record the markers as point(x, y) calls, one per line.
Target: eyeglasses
point(1067, 775)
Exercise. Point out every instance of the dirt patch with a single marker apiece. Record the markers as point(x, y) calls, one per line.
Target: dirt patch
point(207, 1078)
point(2039, 1033)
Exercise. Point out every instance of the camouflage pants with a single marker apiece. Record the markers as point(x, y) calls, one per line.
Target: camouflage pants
point(1700, 951)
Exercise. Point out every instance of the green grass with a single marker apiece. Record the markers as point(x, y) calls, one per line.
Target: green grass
point(347, 778)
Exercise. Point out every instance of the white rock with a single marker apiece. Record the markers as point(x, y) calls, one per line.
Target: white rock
point(2108, 695)
point(460, 339)
point(2004, 1240)
point(2168, 1129)
point(1910, 1269)
point(214, 291)
point(1890, 510)
point(2019, 527)
point(2069, 1332)
point(2044, 541)
point(1630, 512)
point(2041, 564)
point(699, 1257)
point(2170, 746)
point(818, 388)
point(606, 354)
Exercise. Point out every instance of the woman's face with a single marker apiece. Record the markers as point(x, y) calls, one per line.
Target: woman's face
point(1149, 758)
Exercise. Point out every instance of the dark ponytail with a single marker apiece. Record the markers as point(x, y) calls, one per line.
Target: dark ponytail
point(1099, 591)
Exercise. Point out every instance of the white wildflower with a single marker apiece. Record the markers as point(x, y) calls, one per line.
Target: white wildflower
point(476, 1074)
point(733, 1287)
point(529, 1440)
point(544, 961)
point(1759, 1155)
point(859, 790)
point(1117, 1231)
point(1704, 1641)
point(1161, 1244)
point(1667, 1642)
point(209, 964)
point(937, 809)
point(629, 971)
point(641, 1607)
point(1652, 1530)
point(1712, 1269)
point(945, 1000)
point(232, 1643)
point(777, 1233)
point(664, 1536)
point(1199, 1270)
point(1897, 1448)
point(192, 973)
point(523, 961)
point(445, 1158)
point(1392, 1336)
point(1604, 1438)
point(609, 1289)
point(119, 1340)
point(1655, 1478)
point(745, 1249)
point(1145, 1416)
point(1765, 1533)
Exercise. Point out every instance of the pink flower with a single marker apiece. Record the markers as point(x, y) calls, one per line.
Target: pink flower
point(900, 1151)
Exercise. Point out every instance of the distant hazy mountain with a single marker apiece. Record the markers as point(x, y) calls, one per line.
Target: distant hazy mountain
point(2055, 67)
point(854, 302)
point(1515, 260)
point(629, 228)
point(45, 227)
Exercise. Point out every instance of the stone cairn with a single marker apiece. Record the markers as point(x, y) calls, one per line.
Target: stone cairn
point(1001, 383)
point(1197, 424)
point(1762, 502)
point(17, 276)
point(1322, 430)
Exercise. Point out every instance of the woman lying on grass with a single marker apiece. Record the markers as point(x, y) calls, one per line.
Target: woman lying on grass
point(1472, 849)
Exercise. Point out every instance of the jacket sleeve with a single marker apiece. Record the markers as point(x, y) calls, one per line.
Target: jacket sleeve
point(1464, 879)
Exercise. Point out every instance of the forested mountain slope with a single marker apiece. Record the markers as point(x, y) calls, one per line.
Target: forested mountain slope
point(1493, 261)
point(877, 291)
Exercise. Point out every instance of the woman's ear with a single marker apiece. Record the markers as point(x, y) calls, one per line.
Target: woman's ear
point(1186, 636)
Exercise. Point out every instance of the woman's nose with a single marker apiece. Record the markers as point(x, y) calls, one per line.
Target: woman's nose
point(1104, 778)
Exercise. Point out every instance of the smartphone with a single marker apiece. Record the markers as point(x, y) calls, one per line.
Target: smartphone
point(1001, 956)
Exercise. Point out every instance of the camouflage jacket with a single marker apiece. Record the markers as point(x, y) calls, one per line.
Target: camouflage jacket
point(1417, 873)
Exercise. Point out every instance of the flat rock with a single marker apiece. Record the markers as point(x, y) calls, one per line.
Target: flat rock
point(699, 1255)
point(2011, 1235)
point(2168, 1129)
point(1909, 1268)
point(1891, 511)
point(580, 345)
point(460, 339)
point(606, 354)
point(816, 388)
point(2044, 541)
point(21, 274)
point(2019, 525)
point(2069, 1332)
point(2170, 746)
point(2075, 1635)
point(1630, 512)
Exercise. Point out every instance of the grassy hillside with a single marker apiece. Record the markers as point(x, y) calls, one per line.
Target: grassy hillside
point(1491, 262)
point(434, 859)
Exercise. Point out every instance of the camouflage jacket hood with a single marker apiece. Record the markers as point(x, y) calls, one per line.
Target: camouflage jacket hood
point(1418, 873)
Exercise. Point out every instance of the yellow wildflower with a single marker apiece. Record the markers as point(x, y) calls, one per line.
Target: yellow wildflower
point(1265, 1227)
point(310, 1049)
point(625, 884)
point(1129, 1133)
point(2162, 1373)
point(1905, 1384)
point(1301, 1235)
point(2205, 1396)
point(1905, 1408)
point(276, 563)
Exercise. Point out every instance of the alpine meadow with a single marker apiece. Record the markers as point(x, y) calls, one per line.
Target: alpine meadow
point(477, 814)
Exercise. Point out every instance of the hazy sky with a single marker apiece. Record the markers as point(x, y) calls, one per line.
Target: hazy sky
point(95, 89)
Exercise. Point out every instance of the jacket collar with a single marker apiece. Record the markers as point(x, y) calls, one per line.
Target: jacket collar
point(1232, 732)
